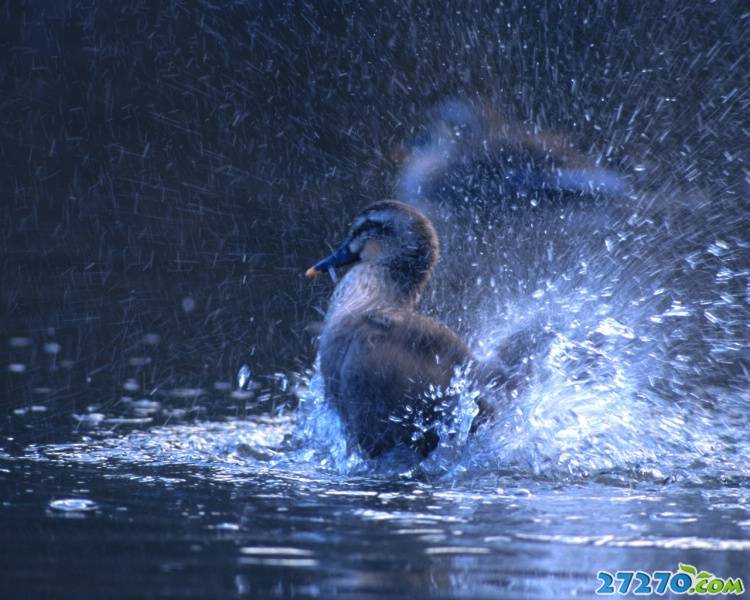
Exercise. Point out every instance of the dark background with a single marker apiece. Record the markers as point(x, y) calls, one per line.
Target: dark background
point(171, 168)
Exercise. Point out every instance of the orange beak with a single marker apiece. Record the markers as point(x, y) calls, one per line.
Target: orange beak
point(341, 256)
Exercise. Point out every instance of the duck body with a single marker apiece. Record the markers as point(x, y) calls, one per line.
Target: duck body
point(387, 369)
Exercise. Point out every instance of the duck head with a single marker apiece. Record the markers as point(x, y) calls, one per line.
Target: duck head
point(392, 238)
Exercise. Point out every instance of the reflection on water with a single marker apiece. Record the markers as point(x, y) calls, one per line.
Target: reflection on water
point(535, 506)
point(239, 518)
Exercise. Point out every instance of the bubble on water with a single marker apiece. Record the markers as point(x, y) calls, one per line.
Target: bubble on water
point(226, 527)
point(73, 505)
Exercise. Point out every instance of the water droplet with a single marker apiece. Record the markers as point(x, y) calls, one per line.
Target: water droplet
point(243, 377)
point(89, 419)
point(611, 327)
point(282, 380)
point(188, 304)
point(151, 339)
point(226, 527)
point(139, 361)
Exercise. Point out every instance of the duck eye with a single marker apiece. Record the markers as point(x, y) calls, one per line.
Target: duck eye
point(371, 249)
point(370, 229)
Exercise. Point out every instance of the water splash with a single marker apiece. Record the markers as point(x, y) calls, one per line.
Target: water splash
point(624, 323)
point(632, 349)
point(243, 377)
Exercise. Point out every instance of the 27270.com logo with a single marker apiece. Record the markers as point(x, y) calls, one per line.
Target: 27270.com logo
point(685, 580)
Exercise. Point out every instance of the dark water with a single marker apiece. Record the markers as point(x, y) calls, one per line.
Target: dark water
point(170, 169)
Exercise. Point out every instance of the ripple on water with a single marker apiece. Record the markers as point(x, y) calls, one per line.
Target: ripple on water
point(675, 517)
point(230, 449)
point(277, 556)
point(679, 543)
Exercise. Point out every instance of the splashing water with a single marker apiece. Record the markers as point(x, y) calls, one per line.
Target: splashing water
point(583, 414)
point(622, 317)
point(629, 369)
point(243, 377)
point(632, 345)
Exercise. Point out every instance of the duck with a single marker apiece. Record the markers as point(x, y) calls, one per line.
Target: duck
point(468, 153)
point(476, 172)
point(513, 203)
point(386, 367)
